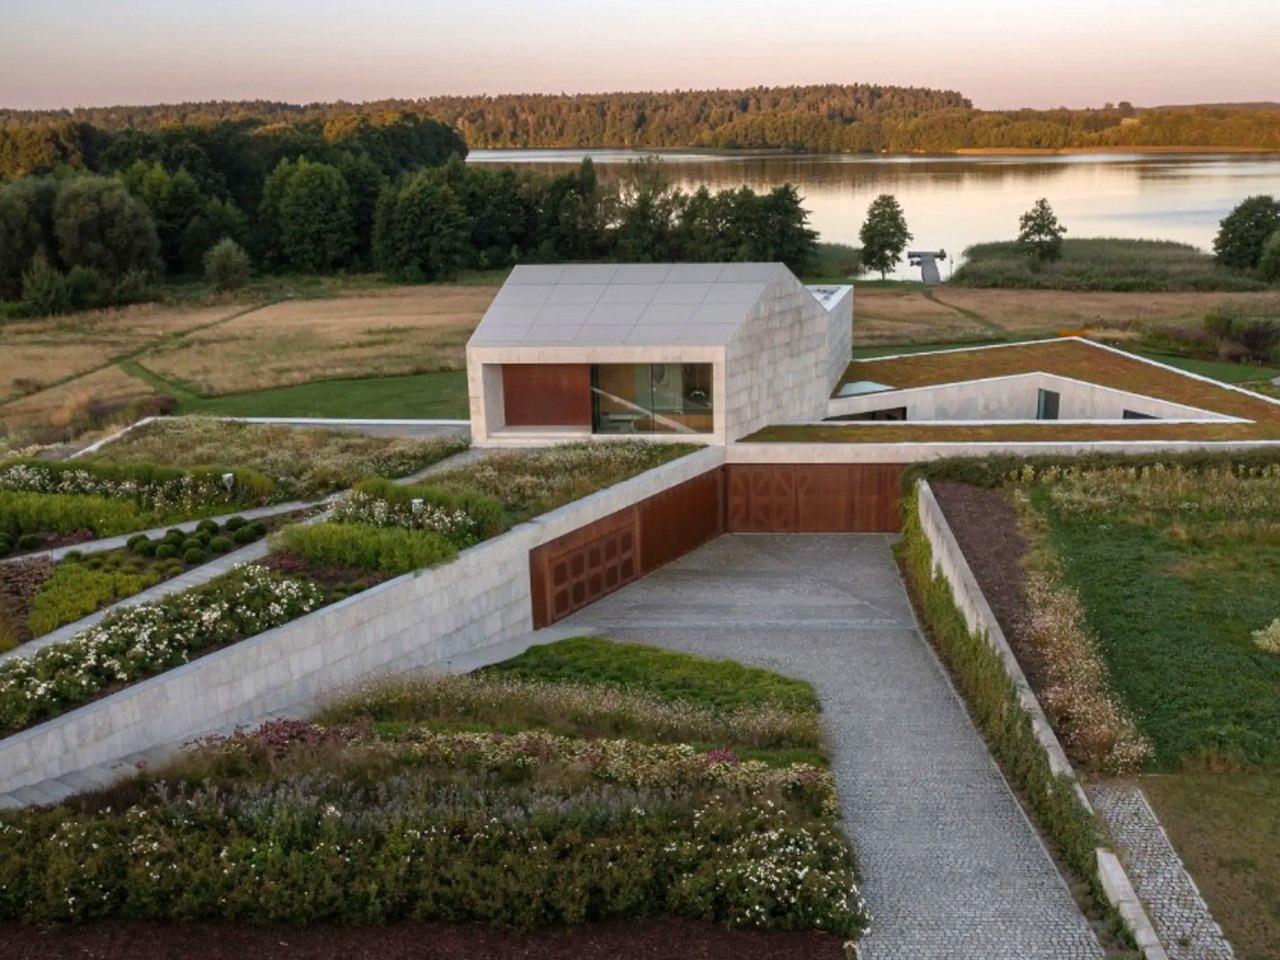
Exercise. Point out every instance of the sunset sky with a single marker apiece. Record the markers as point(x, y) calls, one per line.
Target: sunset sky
point(1001, 53)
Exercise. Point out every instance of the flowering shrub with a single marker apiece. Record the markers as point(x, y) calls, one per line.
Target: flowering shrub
point(155, 489)
point(1268, 638)
point(135, 642)
point(579, 709)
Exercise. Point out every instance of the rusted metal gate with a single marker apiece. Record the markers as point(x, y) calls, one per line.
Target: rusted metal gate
point(579, 568)
point(814, 497)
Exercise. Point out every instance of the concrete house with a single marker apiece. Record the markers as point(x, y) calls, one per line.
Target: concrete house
point(706, 352)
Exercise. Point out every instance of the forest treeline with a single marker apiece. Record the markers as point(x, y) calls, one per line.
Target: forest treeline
point(823, 118)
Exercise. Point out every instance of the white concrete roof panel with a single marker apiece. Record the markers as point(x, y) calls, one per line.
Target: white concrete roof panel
point(576, 292)
point(544, 274)
point(656, 334)
point(643, 273)
point(735, 292)
point(628, 293)
point(695, 272)
point(615, 314)
point(523, 295)
point(554, 314)
point(588, 273)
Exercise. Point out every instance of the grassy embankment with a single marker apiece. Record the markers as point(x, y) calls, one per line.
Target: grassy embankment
point(1102, 263)
point(1200, 555)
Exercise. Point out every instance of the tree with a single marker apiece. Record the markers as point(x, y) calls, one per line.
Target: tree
point(220, 219)
point(1040, 232)
point(175, 200)
point(26, 229)
point(1244, 230)
point(98, 224)
point(44, 289)
point(1269, 263)
point(884, 234)
point(420, 229)
point(306, 214)
point(226, 265)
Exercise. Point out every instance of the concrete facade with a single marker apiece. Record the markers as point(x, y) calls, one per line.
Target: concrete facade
point(480, 598)
point(1015, 398)
point(776, 347)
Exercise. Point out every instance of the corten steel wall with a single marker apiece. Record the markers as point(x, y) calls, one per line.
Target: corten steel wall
point(813, 497)
point(547, 394)
point(579, 568)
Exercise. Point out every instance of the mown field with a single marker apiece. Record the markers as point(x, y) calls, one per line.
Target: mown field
point(398, 351)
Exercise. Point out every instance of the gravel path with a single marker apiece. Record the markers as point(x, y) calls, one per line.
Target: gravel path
point(1178, 912)
point(952, 866)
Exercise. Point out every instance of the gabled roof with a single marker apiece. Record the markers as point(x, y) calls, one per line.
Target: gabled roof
point(590, 305)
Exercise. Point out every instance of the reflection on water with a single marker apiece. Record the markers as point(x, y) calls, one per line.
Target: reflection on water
point(951, 202)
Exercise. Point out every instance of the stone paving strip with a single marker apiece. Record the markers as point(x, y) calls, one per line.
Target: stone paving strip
point(1178, 912)
point(953, 868)
point(186, 526)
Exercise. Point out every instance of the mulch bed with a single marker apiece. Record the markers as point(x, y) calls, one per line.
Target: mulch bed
point(636, 940)
point(326, 575)
point(52, 541)
point(986, 527)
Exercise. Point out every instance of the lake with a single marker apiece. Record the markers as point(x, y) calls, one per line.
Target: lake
point(951, 202)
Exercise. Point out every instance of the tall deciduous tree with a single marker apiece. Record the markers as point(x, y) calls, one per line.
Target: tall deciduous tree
point(1244, 230)
point(884, 234)
point(421, 229)
point(98, 224)
point(26, 229)
point(306, 216)
point(174, 199)
point(1040, 233)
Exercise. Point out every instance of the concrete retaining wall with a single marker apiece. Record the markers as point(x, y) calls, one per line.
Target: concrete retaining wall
point(949, 560)
point(480, 598)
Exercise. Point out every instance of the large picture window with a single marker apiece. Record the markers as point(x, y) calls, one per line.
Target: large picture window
point(651, 398)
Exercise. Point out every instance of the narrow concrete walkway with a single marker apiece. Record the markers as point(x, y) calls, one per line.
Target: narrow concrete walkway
point(952, 867)
point(115, 543)
point(1177, 910)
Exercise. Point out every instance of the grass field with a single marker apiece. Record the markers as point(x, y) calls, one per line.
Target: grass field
point(426, 396)
point(360, 348)
point(1176, 571)
point(1101, 263)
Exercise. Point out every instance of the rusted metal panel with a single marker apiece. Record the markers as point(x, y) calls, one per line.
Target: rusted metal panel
point(547, 394)
point(579, 568)
point(677, 520)
point(813, 497)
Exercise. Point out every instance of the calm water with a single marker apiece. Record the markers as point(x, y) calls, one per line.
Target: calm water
point(951, 202)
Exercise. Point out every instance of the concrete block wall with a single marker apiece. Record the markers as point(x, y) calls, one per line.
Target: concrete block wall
point(777, 366)
point(480, 598)
point(949, 560)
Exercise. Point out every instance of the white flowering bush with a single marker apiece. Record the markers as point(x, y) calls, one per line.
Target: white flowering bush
point(151, 488)
point(1268, 638)
point(135, 642)
point(358, 507)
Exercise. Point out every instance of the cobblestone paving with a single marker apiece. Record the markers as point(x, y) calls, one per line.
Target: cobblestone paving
point(1178, 912)
point(952, 868)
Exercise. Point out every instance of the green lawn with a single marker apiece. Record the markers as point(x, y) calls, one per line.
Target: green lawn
point(1226, 827)
point(1214, 369)
point(1174, 583)
point(426, 396)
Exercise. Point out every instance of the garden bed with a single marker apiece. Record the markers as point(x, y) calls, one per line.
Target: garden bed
point(520, 799)
point(1175, 571)
point(38, 595)
point(304, 462)
point(665, 939)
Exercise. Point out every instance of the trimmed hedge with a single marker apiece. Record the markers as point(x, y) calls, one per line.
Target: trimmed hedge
point(75, 591)
point(30, 513)
point(993, 704)
point(393, 550)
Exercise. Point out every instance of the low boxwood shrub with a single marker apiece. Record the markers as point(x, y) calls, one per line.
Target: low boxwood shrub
point(207, 526)
point(220, 544)
point(234, 523)
point(28, 541)
point(194, 555)
point(75, 591)
point(146, 548)
point(166, 551)
point(388, 549)
point(245, 534)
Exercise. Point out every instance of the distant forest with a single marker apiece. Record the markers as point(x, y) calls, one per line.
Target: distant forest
point(829, 118)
